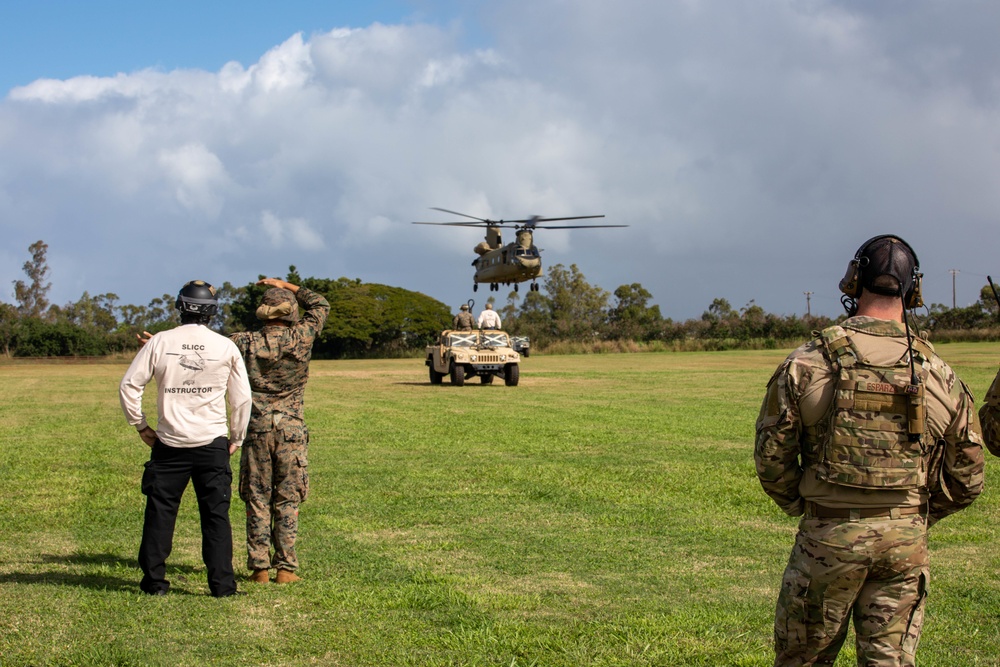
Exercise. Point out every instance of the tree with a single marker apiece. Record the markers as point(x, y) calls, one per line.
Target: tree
point(365, 319)
point(578, 309)
point(32, 297)
point(8, 327)
point(96, 313)
point(631, 318)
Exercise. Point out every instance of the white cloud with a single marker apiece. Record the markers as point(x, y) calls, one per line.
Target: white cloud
point(198, 177)
point(294, 232)
point(750, 147)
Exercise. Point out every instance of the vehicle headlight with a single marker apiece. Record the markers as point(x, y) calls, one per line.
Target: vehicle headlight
point(473, 357)
point(503, 357)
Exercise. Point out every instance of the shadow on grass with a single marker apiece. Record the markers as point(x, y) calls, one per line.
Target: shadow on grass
point(468, 383)
point(98, 580)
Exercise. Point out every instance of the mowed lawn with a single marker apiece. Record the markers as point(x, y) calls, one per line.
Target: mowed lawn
point(604, 512)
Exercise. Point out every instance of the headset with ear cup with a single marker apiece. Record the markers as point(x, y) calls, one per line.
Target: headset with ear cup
point(855, 279)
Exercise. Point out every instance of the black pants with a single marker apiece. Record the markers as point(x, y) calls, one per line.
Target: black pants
point(163, 482)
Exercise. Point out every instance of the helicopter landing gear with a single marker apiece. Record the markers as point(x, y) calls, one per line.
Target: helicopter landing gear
point(533, 287)
point(475, 287)
point(515, 287)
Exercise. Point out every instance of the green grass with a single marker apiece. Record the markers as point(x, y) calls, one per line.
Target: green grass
point(604, 512)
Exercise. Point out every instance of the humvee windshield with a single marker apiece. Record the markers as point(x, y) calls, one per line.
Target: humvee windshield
point(495, 339)
point(462, 339)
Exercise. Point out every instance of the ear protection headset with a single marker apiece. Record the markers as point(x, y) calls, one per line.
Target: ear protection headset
point(855, 279)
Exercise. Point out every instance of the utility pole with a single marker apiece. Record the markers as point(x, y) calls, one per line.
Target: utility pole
point(953, 272)
point(808, 311)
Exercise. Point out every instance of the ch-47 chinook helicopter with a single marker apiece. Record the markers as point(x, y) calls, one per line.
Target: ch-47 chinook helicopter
point(516, 262)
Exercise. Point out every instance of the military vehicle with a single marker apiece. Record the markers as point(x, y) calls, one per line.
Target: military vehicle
point(466, 354)
point(514, 263)
point(521, 345)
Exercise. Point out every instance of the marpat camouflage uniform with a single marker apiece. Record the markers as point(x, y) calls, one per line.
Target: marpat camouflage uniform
point(859, 551)
point(273, 464)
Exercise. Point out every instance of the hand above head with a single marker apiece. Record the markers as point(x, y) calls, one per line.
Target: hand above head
point(279, 283)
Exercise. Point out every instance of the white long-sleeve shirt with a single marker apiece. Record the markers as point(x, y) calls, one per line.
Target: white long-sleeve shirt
point(196, 371)
point(489, 319)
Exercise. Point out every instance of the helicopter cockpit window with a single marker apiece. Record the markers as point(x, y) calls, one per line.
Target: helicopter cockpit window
point(495, 339)
point(462, 339)
point(526, 252)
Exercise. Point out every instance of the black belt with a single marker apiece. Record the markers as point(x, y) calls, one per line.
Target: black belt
point(821, 512)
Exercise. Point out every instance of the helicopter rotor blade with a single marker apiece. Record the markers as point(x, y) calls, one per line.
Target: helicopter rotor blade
point(455, 224)
point(575, 226)
point(573, 217)
point(464, 215)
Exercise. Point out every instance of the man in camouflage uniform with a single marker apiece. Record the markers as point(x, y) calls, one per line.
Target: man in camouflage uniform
point(464, 321)
point(989, 414)
point(273, 476)
point(870, 450)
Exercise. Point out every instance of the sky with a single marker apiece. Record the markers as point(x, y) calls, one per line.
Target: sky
point(750, 147)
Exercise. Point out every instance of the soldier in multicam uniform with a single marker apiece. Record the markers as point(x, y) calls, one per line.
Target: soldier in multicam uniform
point(464, 321)
point(989, 414)
point(273, 476)
point(871, 438)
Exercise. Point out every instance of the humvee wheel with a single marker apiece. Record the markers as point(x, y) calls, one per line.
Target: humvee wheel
point(457, 374)
point(526, 353)
point(486, 379)
point(435, 376)
point(511, 374)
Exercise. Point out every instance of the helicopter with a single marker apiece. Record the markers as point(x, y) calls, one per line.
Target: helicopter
point(516, 262)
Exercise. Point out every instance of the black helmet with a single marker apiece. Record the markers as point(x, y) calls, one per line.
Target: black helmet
point(197, 297)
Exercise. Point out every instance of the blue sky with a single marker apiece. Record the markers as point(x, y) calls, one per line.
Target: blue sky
point(65, 38)
point(750, 147)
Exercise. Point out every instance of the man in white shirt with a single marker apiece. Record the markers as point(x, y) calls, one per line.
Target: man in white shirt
point(489, 319)
point(197, 372)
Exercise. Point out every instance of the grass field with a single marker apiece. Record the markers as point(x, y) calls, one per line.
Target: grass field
point(604, 512)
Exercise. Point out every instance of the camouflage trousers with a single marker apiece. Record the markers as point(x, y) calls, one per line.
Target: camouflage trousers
point(273, 481)
point(875, 570)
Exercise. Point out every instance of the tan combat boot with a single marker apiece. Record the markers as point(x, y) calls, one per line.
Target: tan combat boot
point(286, 577)
point(260, 577)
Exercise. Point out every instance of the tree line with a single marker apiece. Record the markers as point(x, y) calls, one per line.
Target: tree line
point(373, 320)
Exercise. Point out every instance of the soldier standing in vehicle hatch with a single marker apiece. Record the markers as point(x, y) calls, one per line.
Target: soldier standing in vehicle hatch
point(273, 474)
point(464, 321)
point(871, 438)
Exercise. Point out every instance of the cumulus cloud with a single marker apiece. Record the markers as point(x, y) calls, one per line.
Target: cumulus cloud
point(751, 149)
point(293, 232)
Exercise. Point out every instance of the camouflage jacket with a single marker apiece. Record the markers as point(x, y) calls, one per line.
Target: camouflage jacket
point(277, 359)
point(989, 414)
point(799, 398)
point(464, 321)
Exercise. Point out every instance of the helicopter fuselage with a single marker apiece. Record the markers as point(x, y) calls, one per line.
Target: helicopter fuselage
point(505, 264)
point(508, 264)
point(514, 263)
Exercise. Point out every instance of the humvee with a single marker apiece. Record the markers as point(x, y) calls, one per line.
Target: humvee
point(466, 354)
point(521, 345)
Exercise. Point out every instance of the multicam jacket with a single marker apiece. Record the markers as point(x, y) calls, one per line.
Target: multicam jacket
point(794, 419)
point(277, 360)
point(464, 321)
point(989, 414)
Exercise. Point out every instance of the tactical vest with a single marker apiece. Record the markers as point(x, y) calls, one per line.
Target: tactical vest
point(875, 436)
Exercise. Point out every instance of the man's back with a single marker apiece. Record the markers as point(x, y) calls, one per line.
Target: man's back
point(195, 369)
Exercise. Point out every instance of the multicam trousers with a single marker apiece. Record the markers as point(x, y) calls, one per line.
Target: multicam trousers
point(273, 481)
point(873, 569)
